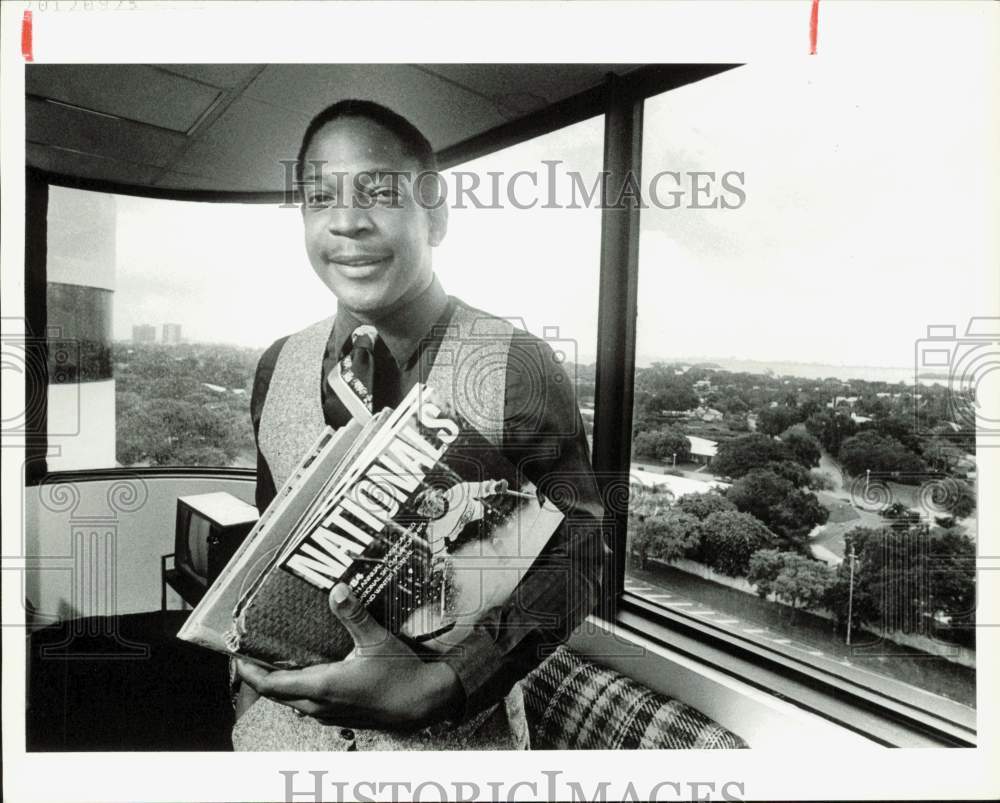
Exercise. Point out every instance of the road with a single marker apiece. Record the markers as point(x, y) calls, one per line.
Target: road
point(807, 638)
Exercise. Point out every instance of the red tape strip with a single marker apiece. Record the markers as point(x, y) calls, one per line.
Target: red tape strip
point(813, 27)
point(26, 42)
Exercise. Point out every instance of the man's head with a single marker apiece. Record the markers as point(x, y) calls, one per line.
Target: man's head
point(370, 208)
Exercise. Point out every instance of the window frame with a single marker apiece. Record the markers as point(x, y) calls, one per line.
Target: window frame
point(869, 709)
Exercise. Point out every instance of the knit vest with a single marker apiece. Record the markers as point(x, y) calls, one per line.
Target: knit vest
point(468, 374)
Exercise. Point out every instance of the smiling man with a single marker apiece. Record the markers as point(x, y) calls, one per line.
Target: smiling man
point(372, 214)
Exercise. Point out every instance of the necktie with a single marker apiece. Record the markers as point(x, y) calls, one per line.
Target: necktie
point(357, 369)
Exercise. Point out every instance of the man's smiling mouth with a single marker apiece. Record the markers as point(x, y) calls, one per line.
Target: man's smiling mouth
point(358, 260)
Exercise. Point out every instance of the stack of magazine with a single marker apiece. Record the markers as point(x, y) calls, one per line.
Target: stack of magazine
point(425, 520)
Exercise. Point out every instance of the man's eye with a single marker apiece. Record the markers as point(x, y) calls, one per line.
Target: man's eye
point(319, 200)
point(385, 195)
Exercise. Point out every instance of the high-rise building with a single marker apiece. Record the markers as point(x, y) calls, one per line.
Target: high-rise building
point(171, 334)
point(144, 333)
point(80, 296)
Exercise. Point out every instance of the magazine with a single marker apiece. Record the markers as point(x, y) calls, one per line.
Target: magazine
point(425, 520)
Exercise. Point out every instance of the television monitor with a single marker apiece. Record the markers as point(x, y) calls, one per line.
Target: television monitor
point(209, 529)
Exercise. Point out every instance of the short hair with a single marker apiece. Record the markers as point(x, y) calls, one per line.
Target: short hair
point(413, 142)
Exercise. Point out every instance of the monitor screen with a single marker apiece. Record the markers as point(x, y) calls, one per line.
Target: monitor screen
point(199, 530)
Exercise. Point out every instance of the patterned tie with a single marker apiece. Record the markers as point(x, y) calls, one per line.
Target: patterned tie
point(357, 369)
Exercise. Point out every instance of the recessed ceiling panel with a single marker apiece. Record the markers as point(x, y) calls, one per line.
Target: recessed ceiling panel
point(132, 91)
point(446, 113)
point(224, 76)
point(50, 124)
point(552, 82)
point(246, 146)
point(79, 165)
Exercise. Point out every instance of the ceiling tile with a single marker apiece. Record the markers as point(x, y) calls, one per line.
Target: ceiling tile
point(447, 114)
point(549, 81)
point(50, 124)
point(134, 91)
point(80, 165)
point(224, 76)
point(246, 144)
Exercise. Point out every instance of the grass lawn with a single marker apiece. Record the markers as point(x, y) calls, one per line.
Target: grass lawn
point(911, 666)
point(840, 511)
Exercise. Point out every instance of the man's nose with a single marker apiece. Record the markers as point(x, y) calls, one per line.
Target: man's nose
point(348, 220)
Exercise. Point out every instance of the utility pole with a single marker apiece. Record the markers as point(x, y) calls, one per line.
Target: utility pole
point(850, 598)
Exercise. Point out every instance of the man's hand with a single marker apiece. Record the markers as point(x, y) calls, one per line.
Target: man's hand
point(381, 684)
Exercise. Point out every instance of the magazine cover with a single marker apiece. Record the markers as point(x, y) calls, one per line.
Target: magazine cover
point(424, 519)
point(211, 621)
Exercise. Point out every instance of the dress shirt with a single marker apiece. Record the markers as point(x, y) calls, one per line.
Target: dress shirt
point(543, 436)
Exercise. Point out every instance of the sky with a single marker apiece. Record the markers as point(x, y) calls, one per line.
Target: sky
point(868, 216)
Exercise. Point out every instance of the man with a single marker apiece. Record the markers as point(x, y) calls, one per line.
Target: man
point(372, 214)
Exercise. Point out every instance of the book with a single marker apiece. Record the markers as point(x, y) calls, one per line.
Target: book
point(424, 519)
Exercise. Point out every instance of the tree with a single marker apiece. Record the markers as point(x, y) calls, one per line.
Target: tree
point(962, 504)
point(785, 510)
point(642, 536)
point(906, 579)
point(703, 505)
point(952, 580)
point(765, 564)
point(865, 599)
point(736, 457)
point(804, 447)
point(665, 536)
point(650, 501)
point(729, 538)
point(759, 493)
point(800, 581)
point(797, 514)
point(679, 536)
point(662, 444)
point(898, 428)
point(772, 420)
point(791, 471)
point(869, 451)
point(831, 429)
point(679, 397)
point(941, 454)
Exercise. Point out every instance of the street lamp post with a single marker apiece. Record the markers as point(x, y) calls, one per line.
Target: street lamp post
point(850, 597)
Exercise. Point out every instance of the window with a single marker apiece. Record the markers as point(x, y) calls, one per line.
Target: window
point(158, 310)
point(777, 428)
point(525, 247)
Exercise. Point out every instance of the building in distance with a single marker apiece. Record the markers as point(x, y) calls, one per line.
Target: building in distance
point(144, 333)
point(171, 334)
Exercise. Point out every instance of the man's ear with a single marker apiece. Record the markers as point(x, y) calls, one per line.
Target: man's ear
point(438, 223)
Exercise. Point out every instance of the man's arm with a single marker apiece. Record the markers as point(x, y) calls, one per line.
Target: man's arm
point(544, 437)
point(265, 490)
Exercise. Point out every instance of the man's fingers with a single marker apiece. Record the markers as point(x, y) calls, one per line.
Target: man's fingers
point(284, 685)
point(365, 631)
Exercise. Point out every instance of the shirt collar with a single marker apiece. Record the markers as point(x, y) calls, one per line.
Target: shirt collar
point(401, 330)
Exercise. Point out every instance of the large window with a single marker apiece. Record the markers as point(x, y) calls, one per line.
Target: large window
point(523, 246)
point(158, 310)
point(189, 296)
point(794, 485)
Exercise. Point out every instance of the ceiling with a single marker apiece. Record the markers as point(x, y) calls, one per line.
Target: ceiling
point(227, 127)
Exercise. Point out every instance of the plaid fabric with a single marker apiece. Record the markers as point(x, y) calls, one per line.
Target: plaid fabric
point(573, 704)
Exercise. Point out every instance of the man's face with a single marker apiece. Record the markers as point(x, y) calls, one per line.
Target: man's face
point(367, 237)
